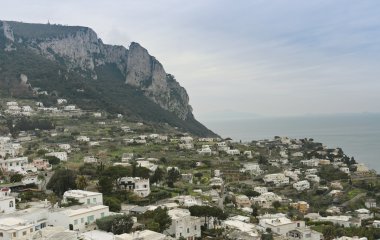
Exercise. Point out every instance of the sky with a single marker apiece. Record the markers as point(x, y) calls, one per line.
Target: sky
point(242, 58)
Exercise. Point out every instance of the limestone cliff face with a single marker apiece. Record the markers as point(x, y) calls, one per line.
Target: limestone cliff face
point(7, 35)
point(80, 49)
point(145, 72)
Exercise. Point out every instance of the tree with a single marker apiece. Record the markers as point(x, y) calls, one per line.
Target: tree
point(113, 203)
point(156, 220)
point(276, 204)
point(105, 185)
point(157, 176)
point(250, 193)
point(207, 212)
point(81, 182)
point(61, 181)
point(53, 160)
point(255, 210)
point(16, 177)
point(117, 224)
point(173, 176)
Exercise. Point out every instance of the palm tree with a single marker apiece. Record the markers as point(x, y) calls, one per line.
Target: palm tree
point(81, 182)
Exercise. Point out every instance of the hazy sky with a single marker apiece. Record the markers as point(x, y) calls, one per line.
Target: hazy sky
point(273, 57)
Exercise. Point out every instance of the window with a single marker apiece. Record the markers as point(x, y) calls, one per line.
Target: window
point(14, 234)
point(90, 219)
point(31, 230)
point(88, 201)
point(195, 227)
point(188, 230)
point(94, 200)
point(24, 233)
point(1, 234)
point(76, 222)
point(11, 204)
point(102, 214)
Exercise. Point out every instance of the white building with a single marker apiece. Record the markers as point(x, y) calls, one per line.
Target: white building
point(184, 225)
point(260, 190)
point(146, 164)
point(205, 150)
point(301, 185)
point(83, 139)
point(64, 146)
point(15, 228)
point(61, 101)
point(19, 165)
point(139, 186)
point(7, 204)
point(376, 224)
point(142, 235)
point(222, 146)
point(243, 228)
point(276, 178)
point(233, 152)
point(90, 159)
point(85, 197)
point(344, 221)
point(266, 199)
point(252, 168)
point(60, 155)
point(313, 178)
point(77, 217)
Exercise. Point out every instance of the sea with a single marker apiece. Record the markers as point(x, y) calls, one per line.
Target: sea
point(357, 134)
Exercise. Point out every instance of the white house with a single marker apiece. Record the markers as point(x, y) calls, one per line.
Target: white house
point(184, 225)
point(7, 204)
point(313, 178)
point(90, 159)
point(301, 185)
point(14, 164)
point(222, 146)
point(243, 228)
point(260, 190)
point(77, 217)
point(64, 146)
point(205, 150)
point(294, 230)
point(142, 235)
point(233, 152)
point(311, 171)
point(146, 164)
point(70, 108)
point(15, 228)
point(83, 139)
point(376, 224)
point(252, 168)
point(61, 101)
point(60, 155)
point(344, 221)
point(139, 186)
point(266, 199)
point(276, 178)
point(85, 197)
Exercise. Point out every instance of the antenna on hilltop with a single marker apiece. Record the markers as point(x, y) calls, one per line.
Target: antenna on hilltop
point(48, 22)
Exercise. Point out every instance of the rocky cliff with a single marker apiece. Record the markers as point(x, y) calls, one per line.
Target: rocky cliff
point(80, 49)
point(72, 62)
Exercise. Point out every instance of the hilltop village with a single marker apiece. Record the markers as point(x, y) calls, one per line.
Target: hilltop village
point(73, 174)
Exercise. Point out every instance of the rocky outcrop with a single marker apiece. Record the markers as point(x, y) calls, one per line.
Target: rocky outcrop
point(7, 35)
point(80, 49)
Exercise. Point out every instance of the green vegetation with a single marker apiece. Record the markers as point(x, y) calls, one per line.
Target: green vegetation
point(117, 224)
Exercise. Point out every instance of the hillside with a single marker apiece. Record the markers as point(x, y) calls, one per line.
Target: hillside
point(73, 63)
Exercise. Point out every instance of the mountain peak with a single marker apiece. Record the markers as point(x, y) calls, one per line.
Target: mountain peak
point(80, 51)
